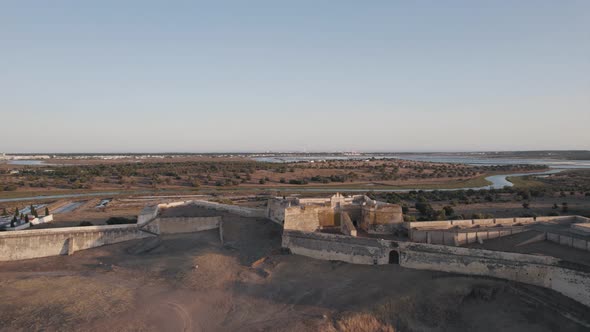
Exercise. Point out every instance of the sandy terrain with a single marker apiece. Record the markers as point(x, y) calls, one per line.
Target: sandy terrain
point(193, 283)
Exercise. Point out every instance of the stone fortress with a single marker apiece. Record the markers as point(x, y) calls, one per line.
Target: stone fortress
point(327, 214)
point(550, 252)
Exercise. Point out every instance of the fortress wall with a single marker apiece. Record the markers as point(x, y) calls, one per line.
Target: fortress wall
point(534, 270)
point(275, 210)
point(304, 218)
point(147, 214)
point(60, 241)
point(543, 271)
point(176, 225)
point(445, 224)
point(335, 247)
point(379, 219)
point(328, 217)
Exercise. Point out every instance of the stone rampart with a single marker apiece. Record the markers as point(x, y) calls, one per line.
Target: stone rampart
point(59, 241)
point(336, 247)
point(564, 277)
point(461, 237)
point(544, 271)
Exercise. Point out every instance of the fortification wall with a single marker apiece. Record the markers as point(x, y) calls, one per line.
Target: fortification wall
point(176, 225)
point(541, 271)
point(275, 210)
point(147, 214)
point(459, 238)
point(59, 241)
point(569, 240)
point(381, 219)
point(336, 247)
point(566, 278)
point(305, 218)
point(445, 224)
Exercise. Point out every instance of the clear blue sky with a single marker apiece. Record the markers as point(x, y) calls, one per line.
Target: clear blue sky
point(114, 76)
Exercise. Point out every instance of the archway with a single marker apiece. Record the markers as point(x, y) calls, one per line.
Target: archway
point(393, 257)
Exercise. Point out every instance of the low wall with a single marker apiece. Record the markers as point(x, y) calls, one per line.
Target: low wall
point(569, 240)
point(176, 225)
point(59, 241)
point(468, 223)
point(461, 237)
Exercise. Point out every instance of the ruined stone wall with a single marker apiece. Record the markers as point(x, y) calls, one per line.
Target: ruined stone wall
point(59, 241)
point(176, 225)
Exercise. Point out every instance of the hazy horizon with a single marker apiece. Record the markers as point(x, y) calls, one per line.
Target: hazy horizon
point(456, 76)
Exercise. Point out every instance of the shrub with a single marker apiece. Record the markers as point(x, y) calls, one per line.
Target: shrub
point(86, 223)
point(10, 187)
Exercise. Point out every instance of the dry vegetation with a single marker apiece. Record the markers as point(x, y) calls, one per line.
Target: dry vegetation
point(185, 174)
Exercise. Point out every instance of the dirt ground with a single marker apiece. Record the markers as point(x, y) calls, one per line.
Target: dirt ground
point(191, 282)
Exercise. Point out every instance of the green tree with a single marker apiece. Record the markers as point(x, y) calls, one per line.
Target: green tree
point(13, 221)
point(16, 212)
point(449, 211)
point(564, 207)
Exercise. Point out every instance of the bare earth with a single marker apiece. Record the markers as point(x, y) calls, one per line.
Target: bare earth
point(193, 283)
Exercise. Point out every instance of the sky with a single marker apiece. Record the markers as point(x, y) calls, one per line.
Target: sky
point(221, 76)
